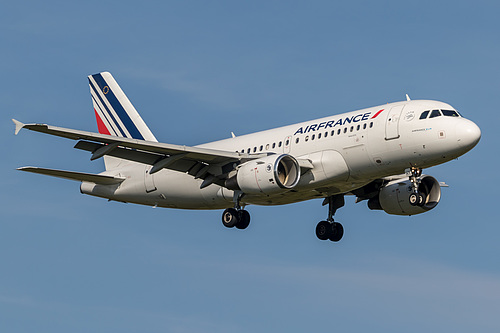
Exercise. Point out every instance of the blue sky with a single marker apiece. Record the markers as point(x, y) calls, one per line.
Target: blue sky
point(196, 71)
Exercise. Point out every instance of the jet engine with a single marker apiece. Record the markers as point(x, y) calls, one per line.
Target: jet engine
point(268, 175)
point(394, 197)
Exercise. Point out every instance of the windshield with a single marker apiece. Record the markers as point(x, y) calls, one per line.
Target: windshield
point(450, 113)
point(424, 114)
point(435, 113)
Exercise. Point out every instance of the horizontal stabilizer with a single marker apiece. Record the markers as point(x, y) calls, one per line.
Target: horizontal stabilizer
point(79, 176)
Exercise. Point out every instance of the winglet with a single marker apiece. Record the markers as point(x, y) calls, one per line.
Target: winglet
point(19, 126)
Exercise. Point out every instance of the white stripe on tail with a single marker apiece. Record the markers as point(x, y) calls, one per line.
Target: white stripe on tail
point(114, 112)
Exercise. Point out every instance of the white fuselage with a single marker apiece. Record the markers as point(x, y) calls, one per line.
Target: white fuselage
point(347, 151)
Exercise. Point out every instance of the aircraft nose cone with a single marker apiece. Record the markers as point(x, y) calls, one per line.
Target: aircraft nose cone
point(468, 134)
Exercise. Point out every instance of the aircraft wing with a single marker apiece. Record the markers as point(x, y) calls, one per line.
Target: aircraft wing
point(199, 162)
point(78, 176)
point(203, 154)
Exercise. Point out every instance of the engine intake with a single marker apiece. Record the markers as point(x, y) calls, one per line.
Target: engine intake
point(394, 198)
point(269, 175)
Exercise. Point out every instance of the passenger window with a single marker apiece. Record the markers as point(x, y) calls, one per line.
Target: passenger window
point(243, 151)
point(333, 133)
point(424, 114)
point(319, 136)
point(297, 140)
point(326, 134)
point(279, 144)
point(267, 146)
point(450, 113)
point(261, 147)
point(274, 145)
point(307, 138)
point(364, 126)
point(435, 113)
point(358, 127)
point(345, 130)
point(287, 142)
point(352, 128)
point(249, 150)
point(338, 132)
point(254, 149)
point(371, 124)
point(313, 136)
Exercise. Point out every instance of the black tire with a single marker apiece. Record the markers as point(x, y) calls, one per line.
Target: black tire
point(230, 217)
point(337, 232)
point(243, 219)
point(414, 199)
point(421, 200)
point(323, 230)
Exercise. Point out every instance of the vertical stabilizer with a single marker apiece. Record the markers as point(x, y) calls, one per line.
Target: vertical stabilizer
point(115, 114)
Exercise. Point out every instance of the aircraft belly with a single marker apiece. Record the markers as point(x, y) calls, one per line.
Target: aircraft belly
point(180, 190)
point(165, 188)
point(304, 194)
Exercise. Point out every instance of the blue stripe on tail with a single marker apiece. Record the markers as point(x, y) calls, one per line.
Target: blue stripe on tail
point(107, 113)
point(120, 111)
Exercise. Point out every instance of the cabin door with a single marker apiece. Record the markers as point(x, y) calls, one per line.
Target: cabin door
point(392, 122)
point(287, 144)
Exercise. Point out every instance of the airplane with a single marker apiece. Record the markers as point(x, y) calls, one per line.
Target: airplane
point(376, 154)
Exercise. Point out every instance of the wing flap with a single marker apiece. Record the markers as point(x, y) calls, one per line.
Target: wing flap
point(78, 176)
point(143, 157)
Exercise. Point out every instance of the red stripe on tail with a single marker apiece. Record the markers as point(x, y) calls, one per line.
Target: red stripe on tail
point(100, 124)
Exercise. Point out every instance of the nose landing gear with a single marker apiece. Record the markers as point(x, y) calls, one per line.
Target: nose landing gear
point(416, 198)
point(330, 229)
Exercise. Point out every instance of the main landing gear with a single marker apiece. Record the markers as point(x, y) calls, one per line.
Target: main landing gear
point(416, 198)
point(236, 217)
point(330, 229)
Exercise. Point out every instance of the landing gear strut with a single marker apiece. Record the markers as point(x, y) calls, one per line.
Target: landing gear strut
point(236, 217)
point(330, 229)
point(416, 198)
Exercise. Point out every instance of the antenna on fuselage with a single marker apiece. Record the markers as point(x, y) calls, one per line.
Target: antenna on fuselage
point(408, 98)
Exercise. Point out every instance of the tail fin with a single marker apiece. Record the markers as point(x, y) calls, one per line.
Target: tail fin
point(114, 113)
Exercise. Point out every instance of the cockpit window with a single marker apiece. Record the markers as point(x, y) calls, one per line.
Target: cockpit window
point(450, 113)
point(435, 113)
point(424, 114)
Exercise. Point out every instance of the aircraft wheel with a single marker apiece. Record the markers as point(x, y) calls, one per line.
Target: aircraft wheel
point(414, 199)
point(323, 230)
point(337, 232)
point(230, 217)
point(243, 219)
point(421, 200)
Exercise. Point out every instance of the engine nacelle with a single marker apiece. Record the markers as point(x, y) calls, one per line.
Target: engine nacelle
point(268, 175)
point(394, 198)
